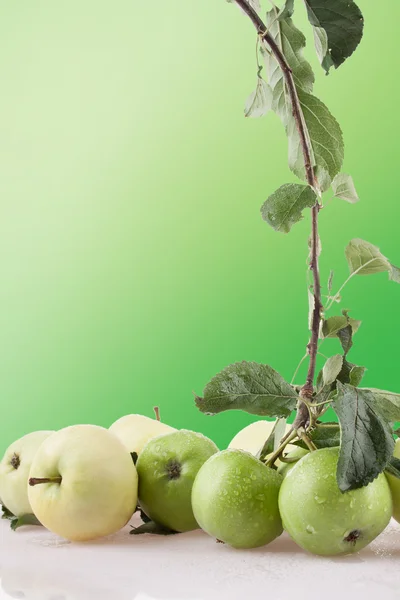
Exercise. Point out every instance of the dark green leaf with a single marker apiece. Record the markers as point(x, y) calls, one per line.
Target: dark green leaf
point(17, 522)
point(284, 207)
point(351, 373)
point(345, 336)
point(393, 467)
point(287, 10)
point(134, 457)
point(387, 404)
point(6, 514)
point(343, 187)
point(249, 386)
point(326, 435)
point(152, 527)
point(343, 24)
point(366, 439)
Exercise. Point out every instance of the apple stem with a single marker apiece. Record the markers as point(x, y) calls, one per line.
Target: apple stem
point(157, 413)
point(289, 437)
point(37, 480)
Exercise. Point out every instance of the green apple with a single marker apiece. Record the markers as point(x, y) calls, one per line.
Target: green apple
point(235, 499)
point(83, 483)
point(322, 519)
point(167, 467)
point(253, 437)
point(14, 472)
point(394, 484)
point(135, 431)
point(293, 456)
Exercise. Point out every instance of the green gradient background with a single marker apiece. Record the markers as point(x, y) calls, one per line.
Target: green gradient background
point(134, 264)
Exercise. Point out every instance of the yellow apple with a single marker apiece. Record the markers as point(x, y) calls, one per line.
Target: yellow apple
point(83, 483)
point(14, 472)
point(252, 438)
point(135, 431)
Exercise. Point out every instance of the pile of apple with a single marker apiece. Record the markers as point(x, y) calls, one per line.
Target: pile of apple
point(85, 482)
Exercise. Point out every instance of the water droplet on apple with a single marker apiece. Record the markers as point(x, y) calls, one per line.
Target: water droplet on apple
point(310, 529)
point(319, 499)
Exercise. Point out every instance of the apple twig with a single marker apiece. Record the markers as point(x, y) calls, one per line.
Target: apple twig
point(307, 389)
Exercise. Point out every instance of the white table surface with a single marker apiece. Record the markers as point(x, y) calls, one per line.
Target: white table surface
point(37, 565)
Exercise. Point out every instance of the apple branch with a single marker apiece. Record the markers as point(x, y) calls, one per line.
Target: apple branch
point(312, 347)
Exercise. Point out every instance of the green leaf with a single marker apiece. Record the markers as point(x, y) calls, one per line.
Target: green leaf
point(332, 326)
point(365, 258)
point(331, 369)
point(326, 435)
point(321, 43)
point(17, 522)
point(366, 439)
point(394, 274)
point(272, 442)
point(249, 386)
point(287, 10)
point(255, 4)
point(343, 24)
point(6, 514)
point(259, 103)
point(323, 130)
point(292, 42)
point(285, 206)
point(386, 403)
point(356, 375)
point(344, 188)
point(345, 336)
point(152, 527)
point(393, 467)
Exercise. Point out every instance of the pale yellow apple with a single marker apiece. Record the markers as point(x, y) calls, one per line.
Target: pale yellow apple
point(253, 437)
point(83, 483)
point(135, 431)
point(394, 484)
point(14, 472)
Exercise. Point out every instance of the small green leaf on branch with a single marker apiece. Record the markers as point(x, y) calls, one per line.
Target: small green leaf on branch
point(251, 387)
point(287, 10)
point(332, 326)
point(259, 103)
point(343, 188)
point(285, 207)
point(365, 258)
point(331, 369)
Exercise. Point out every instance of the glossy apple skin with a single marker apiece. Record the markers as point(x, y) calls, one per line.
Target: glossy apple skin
point(235, 499)
point(14, 475)
point(98, 492)
point(394, 485)
point(167, 468)
point(135, 431)
point(322, 519)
